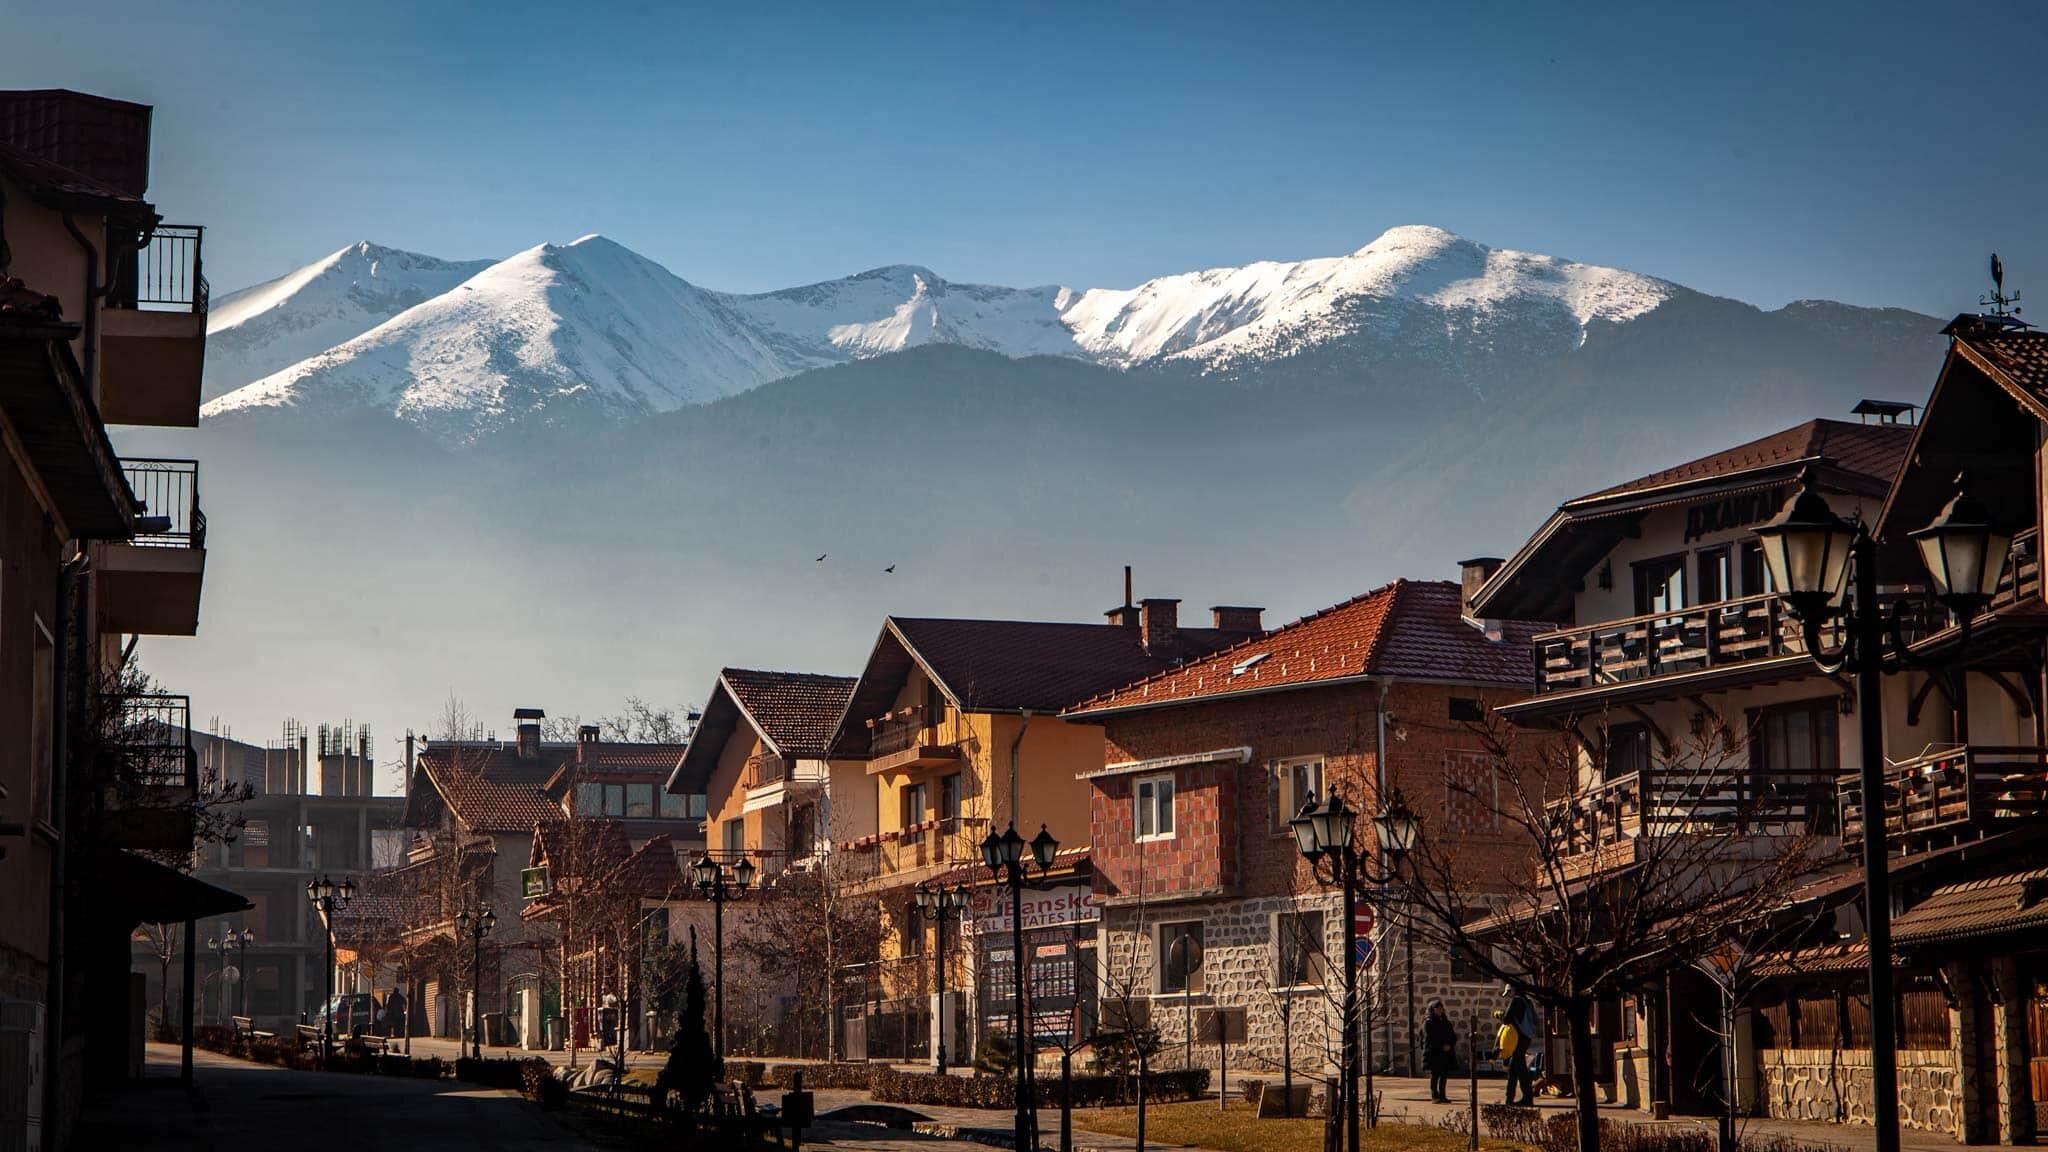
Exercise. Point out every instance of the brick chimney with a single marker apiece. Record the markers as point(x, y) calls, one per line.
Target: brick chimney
point(1233, 618)
point(1474, 574)
point(1158, 624)
point(1124, 615)
point(586, 741)
point(528, 721)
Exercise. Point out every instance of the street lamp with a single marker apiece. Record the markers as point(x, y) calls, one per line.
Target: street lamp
point(475, 928)
point(1397, 829)
point(936, 902)
point(220, 947)
point(329, 897)
point(1323, 832)
point(241, 939)
point(719, 884)
point(1813, 556)
point(1004, 856)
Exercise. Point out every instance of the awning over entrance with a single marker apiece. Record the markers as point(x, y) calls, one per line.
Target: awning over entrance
point(143, 891)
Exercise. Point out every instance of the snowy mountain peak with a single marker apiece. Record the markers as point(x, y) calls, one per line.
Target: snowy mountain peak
point(467, 348)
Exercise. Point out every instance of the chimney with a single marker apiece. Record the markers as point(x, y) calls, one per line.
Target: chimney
point(1124, 615)
point(1474, 574)
point(586, 739)
point(1156, 623)
point(1233, 618)
point(528, 721)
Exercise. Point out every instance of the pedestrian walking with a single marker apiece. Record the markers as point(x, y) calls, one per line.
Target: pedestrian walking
point(1439, 1051)
point(1517, 1035)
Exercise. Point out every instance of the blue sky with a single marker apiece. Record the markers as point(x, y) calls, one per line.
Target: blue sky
point(1869, 153)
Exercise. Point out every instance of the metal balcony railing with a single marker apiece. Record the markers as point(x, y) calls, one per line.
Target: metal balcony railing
point(153, 735)
point(167, 274)
point(1955, 788)
point(169, 493)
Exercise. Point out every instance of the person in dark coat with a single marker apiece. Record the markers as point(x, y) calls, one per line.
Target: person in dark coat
point(1439, 1051)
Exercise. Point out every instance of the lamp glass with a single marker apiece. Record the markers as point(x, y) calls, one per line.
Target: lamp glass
point(1305, 829)
point(1044, 848)
point(1806, 546)
point(706, 872)
point(924, 898)
point(743, 873)
point(1965, 556)
point(1012, 847)
point(992, 852)
point(1333, 823)
point(1396, 827)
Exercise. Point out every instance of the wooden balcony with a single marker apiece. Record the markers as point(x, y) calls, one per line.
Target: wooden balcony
point(153, 333)
point(906, 744)
point(1598, 828)
point(1954, 792)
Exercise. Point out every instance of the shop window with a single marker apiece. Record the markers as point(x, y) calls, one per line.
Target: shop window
point(1153, 817)
point(1180, 956)
point(1299, 943)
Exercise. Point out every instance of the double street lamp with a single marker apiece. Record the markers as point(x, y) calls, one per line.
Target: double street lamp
point(329, 897)
point(1323, 832)
point(474, 927)
point(719, 884)
point(936, 902)
point(234, 938)
point(1006, 860)
point(1826, 567)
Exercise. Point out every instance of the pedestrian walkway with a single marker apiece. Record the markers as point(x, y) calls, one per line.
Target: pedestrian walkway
point(237, 1105)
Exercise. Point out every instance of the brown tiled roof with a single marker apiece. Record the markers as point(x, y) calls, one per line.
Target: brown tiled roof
point(653, 871)
point(1410, 628)
point(1005, 665)
point(56, 182)
point(2008, 902)
point(1872, 450)
point(2018, 354)
point(795, 712)
point(489, 787)
point(609, 760)
point(19, 301)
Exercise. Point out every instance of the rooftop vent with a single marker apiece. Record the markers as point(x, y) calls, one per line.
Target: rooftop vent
point(1248, 663)
point(1885, 411)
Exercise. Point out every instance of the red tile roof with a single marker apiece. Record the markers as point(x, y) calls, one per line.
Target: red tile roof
point(795, 712)
point(1410, 628)
point(1872, 450)
point(489, 787)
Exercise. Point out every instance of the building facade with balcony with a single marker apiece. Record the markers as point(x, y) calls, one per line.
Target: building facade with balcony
point(102, 318)
point(957, 728)
point(1206, 901)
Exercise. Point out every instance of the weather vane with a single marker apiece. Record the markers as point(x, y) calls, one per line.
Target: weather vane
point(2000, 303)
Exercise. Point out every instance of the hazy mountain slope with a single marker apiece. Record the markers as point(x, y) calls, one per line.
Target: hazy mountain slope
point(257, 331)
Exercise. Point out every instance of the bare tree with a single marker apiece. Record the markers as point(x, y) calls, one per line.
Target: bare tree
point(1623, 878)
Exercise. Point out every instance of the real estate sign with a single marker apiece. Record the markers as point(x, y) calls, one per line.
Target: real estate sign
point(1067, 904)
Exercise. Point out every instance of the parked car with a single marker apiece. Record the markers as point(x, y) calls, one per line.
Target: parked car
point(354, 1012)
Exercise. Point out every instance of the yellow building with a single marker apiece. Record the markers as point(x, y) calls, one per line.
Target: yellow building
point(954, 732)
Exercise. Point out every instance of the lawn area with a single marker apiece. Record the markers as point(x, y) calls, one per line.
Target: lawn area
point(1241, 1130)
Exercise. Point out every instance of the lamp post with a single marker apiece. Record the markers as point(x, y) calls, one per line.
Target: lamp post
point(936, 902)
point(220, 947)
point(329, 897)
point(1814, 557)
point(1323, 832)
point(241, 940)
point(719, 884)
point(1004, 856)
point(475, 927)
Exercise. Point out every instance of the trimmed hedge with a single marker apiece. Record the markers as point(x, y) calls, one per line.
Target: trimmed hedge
point(509, 1072)
point(893, 1087)
point(816, 1076)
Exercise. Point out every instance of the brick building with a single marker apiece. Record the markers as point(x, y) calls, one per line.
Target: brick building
point(1205, 763)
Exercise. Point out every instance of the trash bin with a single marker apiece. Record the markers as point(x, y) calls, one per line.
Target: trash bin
point(551, 1033)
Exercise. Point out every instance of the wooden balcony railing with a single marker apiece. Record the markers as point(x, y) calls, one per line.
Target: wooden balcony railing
point(1677, 802)
point(1955, 788)
point(895, 735)
point(764, 769)
point(2021, 581)
point(1719, 635)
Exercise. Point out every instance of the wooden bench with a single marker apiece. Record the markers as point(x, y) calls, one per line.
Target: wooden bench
point(246, 1027)
point(309, 1035)
point(739, 1120)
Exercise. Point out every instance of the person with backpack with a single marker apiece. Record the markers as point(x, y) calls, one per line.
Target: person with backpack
point(1517, 1035)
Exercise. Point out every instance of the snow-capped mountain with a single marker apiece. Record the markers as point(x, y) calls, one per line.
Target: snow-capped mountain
point(259, 330)
point(592, 325)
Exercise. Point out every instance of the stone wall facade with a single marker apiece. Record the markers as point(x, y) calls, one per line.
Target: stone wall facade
point(1833, 1086)
point(1241, 968)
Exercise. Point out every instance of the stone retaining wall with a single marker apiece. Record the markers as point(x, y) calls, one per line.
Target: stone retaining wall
point(1834, 1087)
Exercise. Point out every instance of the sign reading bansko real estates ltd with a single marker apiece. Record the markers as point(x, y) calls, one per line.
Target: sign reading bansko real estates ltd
point(1068, 904)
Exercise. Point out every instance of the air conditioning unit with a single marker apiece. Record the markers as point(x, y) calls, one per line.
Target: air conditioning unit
point(21, 1076)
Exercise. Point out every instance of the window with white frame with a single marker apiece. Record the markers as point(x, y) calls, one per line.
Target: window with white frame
point(1153, 815)
point(1293, 782)
point(1298, 949)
